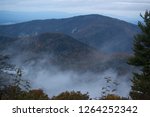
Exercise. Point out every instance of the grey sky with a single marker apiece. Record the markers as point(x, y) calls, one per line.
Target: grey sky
point(116, 8)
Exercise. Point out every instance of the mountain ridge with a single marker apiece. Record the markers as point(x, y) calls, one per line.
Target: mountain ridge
point(104, 33)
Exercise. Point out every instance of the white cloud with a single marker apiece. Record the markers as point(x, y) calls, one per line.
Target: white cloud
point(106, 7)
point(64, 5)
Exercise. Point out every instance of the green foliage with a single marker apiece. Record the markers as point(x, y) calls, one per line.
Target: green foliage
point(141, 59)
point(71, 96)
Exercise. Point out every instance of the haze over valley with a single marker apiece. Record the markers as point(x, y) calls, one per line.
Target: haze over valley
point(75, 53)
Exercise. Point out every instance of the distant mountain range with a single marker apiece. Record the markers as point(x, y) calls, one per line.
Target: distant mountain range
point(81, 43)
point(12, 17)
point(105, 34)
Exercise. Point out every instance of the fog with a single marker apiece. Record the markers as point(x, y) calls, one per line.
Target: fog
point(54, 81)
point(38, 69)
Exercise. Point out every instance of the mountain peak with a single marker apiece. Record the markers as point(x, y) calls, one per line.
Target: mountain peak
point(101, 32)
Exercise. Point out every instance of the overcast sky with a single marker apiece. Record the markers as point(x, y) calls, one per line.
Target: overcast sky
point(117, 8)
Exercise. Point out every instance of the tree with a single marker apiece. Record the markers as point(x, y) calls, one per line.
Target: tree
point(71, 96)
point(35, 94)
point(11, 93)
point(4, 67)
point(16, 93)
point(141, 80)
point(109, 91)
point(6, 76)
point(13, 87)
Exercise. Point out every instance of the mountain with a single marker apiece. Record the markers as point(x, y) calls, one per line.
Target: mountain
point(59, 50)
point(52, 48)
point(56, 44)
point(106, 34)
point(6, 42)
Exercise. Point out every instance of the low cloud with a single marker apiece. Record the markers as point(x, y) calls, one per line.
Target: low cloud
point(54, 81)
point(81, 6)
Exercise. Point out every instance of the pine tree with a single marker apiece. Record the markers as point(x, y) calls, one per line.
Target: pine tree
point(141, 59)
